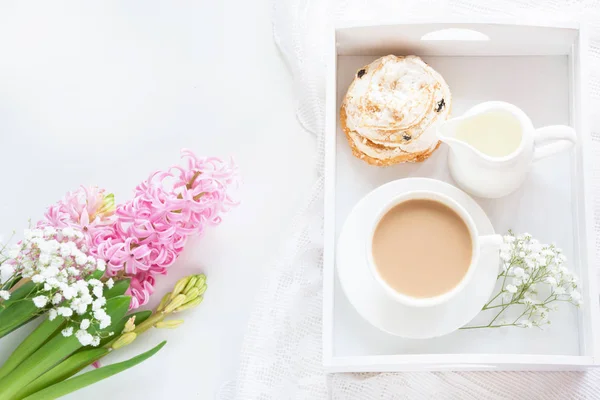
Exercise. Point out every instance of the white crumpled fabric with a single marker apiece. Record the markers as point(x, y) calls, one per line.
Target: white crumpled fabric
point(281, 356)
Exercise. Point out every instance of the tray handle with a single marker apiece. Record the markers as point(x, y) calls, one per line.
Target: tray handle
point(455, 34)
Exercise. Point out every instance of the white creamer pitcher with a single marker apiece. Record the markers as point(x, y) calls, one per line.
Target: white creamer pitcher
point(493, 145)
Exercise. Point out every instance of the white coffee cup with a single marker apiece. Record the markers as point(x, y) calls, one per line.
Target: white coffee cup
point(479, 243)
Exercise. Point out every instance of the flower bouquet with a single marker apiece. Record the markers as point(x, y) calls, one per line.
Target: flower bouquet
point(89, 264)
point(533, 279)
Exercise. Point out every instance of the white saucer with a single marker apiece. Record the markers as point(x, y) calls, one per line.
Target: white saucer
point(365, 294)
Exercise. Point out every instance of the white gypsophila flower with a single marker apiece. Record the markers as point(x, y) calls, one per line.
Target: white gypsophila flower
point(98, 303)
point(575, 295)
point(49, 231)
point(100, 314)
point(518, 272)
point(53, 282)
point(69, 292)
point(61, 267)
point(40, 301)
point(551, 281)
point(542, 261)
point(65, 250)
point(96, 341)
point(97, 290)
point(86, 298)
point(79, 307)
point(101, 265)
point(511, 288)
point(85, 323)
point(57, 298)
point(67, 331)
point(68, 232)
point(564, 270)
point(57, 262)
point(84, 337)
point(508, 238)
point(517, 282)
point(104, 323)
point(530, 264)
point(80, 259)
point(505, 255)
point(64, 311)
point(50, 272)
point(110, 283)
point(94, 282)
point(4, 294)
point(82, 287)
point(44, 259)
point(103, 319)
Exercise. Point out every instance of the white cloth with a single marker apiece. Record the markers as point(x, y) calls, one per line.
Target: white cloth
point(281, 356)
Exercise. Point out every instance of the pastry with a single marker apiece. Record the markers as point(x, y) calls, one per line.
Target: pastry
point(392, 108)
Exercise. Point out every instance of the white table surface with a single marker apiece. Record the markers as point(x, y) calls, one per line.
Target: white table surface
point(105, 93)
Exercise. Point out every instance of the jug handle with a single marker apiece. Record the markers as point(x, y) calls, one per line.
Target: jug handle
point(559, 138)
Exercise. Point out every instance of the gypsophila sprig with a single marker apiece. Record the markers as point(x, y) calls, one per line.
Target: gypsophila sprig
point(57, 262)
point(534, 279)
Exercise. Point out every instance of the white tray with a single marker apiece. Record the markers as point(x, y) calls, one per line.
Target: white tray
point(541, 69)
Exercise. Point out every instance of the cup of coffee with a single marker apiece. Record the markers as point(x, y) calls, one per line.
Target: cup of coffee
point(423, 248)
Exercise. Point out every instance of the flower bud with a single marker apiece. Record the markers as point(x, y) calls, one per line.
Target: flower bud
point(163, 302)
point(176, 302)
point(192, 294)
point(201, 281)
point(179, 286)
point(172, 324)
point(124, 340)
point(191, 284)
point(190, 304)
point(129, 325)
point(108, 206)
point(202, 289)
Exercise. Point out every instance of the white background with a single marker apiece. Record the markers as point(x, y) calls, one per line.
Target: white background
point(104, 93)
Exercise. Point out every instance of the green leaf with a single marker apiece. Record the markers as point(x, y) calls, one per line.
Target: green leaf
point(16, 315)
point(46, 357)
point(97, 274)
point(34, 341)
point(53, 352)
point(140, 317)
point(89, 378)
point(20, 293)
point(64, 370)
point(118, 289)
point(13, 318)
